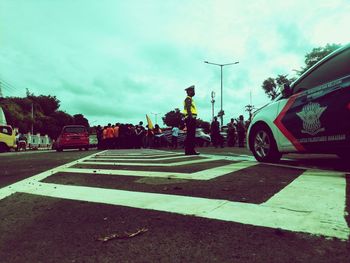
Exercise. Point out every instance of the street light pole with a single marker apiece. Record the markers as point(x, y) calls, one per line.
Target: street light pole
point(212, 105)
point(221, 99)
point(155, 115)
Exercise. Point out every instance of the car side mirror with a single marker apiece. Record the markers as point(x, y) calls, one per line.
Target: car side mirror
point(286, 90)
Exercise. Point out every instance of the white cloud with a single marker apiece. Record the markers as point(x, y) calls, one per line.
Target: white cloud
point(136, 57)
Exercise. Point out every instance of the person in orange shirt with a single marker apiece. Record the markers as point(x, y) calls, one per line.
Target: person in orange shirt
point(110, 136)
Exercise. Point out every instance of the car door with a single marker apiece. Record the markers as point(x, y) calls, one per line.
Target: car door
point(316, 117)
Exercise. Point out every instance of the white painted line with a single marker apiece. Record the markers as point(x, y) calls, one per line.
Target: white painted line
point(252, 214)
point(313, 203)
point(139, 153)
point(146, 155)
point(128, 173)
point(152, 164)
point(9, 190)
point(315, 190)
point(142, 158)
point(222, 170)
point(207, 174)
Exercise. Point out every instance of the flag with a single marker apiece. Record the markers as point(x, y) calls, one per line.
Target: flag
point(149, 122)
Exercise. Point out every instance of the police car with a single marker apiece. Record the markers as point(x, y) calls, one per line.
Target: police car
point(312, 115)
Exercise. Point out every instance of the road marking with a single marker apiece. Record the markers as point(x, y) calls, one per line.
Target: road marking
point(315, 190)
point(112, 158)
point(9, 190)
point(131, 154)
point(313, 203)
point(152, 164)
point(252, 214)
point(207, 174)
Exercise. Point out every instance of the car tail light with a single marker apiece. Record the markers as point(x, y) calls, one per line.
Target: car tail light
point(349, 106)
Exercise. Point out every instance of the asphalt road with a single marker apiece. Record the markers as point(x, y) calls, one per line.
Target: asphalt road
point(162, 206)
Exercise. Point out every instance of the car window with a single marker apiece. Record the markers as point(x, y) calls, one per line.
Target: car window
point(6, 130)
point(335, 68)
point(75, 129)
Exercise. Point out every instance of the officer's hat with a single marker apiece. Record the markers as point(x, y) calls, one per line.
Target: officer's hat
point(190, 88)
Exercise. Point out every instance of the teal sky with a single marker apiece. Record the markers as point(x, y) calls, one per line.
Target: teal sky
point(115, 61)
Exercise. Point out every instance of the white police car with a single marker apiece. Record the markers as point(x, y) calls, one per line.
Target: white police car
point(310, 116)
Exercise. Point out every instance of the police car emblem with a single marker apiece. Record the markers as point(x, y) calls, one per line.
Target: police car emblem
point(310, 115)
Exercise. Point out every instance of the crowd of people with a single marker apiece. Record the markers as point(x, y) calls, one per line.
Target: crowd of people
point(125, 136)
point(236, 131)
point(129, 136)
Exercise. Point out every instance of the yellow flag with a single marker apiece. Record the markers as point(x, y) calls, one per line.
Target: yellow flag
point(149, 122)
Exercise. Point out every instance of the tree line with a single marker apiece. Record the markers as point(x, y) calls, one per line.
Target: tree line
point(40, 112)
point(271, 85)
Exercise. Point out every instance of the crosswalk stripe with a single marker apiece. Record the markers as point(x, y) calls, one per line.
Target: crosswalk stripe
point(143, 159)
point(252, 214)
point(315, 190)
point(110, 154)
point(152, 164)
point(207, 174)
point(9, 190)
point(313, 203)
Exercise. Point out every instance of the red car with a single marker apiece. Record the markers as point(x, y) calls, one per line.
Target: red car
point(73, 137)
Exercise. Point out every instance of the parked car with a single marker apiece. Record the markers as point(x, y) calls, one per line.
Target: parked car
point(310, 116)
point(7, 138)
point(73, 137)
point(201, 137)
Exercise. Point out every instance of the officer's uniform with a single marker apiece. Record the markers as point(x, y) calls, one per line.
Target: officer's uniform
point(190, 120)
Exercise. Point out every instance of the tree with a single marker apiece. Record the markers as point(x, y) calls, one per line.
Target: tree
point(271, 85)
point(316, 55)
point(79, 119)
point(47, 118)
point(48, 104)
point(173, 118)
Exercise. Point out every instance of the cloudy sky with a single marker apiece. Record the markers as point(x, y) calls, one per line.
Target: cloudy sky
point(117, 60)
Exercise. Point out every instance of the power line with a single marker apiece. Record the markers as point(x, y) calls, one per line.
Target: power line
point(10, 89)
point(7, 89)
point(9, 85)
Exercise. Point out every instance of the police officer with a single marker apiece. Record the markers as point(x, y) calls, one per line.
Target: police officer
point(190, 113)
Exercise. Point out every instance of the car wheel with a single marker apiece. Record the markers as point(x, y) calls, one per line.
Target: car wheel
point(3, 148)
point(263, 145)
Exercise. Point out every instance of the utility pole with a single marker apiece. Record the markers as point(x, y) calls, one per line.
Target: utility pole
point(221, 112)
point(249, 108)
point(32, 130)
point(155, 114)
point(212, 105)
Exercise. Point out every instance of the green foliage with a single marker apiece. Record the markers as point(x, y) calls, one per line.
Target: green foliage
point(48, 119)
point(48, 104)
point(271, 85)
point(316, 55)
point(79, 119)
point(173, 118)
